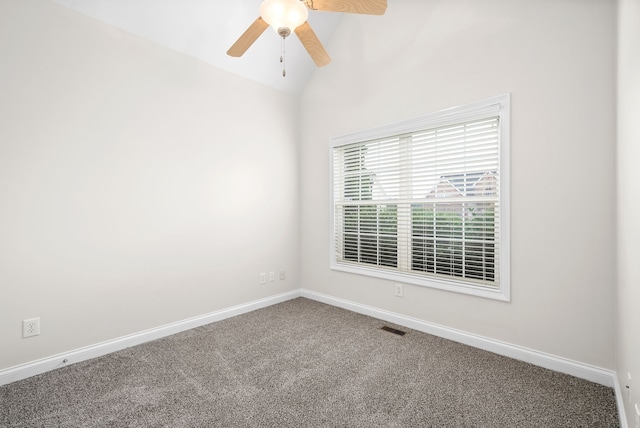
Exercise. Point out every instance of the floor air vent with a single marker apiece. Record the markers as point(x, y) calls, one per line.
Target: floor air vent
point(393, 330)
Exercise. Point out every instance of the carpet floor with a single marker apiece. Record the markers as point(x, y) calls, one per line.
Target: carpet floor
point(304, 364)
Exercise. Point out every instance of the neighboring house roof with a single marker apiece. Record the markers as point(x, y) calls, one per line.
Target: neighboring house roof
point(465, 184)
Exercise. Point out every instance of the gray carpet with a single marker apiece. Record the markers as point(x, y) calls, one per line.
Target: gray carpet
point(304, 364)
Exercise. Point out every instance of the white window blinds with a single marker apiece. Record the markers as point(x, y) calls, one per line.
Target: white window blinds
point(424, 204)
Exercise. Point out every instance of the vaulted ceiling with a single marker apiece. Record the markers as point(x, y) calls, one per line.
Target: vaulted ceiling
point(205, 29)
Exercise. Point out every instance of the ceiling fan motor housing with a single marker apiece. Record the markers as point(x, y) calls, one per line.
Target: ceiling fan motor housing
point(284, 32)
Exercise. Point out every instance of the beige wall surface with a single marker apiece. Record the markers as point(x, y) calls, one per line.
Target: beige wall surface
point(629, 201)
point(557, 59)
point(138, 186)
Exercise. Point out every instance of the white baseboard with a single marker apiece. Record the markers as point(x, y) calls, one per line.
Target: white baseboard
point(33, 368)
point(548, 361)
point(620, 403)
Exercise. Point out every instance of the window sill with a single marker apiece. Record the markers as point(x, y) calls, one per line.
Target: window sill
point(501, 294)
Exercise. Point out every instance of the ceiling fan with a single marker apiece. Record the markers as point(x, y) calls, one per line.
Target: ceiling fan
point(286, 16)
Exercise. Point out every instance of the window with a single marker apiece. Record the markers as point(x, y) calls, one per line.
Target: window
point(425, 201)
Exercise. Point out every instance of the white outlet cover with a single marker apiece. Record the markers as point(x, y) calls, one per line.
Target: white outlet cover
point(399, 290)
point(30, 327)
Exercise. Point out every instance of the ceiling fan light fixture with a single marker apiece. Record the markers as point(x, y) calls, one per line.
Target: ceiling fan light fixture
point(283, 15)
point(289, 16)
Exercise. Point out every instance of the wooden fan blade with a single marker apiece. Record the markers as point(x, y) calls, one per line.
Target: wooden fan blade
point(248, 37)
point(312, 44)
point(365, 7)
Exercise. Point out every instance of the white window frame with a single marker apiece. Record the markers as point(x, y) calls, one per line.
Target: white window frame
point(493, 106)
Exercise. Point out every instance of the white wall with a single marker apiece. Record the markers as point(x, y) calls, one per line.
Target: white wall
point(629, 200)
point(557, 59)
point(138, 186)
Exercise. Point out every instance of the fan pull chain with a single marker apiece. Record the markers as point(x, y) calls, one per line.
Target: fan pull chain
point(282, 55)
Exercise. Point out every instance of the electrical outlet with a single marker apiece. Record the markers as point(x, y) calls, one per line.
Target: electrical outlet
point(30, 327)
point(272, 276)
point(283, 275)
point(399, 290)
point(263, 278)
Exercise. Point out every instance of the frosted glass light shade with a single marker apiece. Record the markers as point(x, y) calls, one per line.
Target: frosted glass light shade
point(284, 13)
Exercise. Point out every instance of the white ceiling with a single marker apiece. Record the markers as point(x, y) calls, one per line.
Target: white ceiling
point(205, 29)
